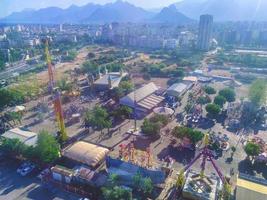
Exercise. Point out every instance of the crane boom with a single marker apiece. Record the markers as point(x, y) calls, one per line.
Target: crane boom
point(56, 95)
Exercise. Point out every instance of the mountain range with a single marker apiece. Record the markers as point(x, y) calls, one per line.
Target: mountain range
point(225, 10)
point(183, 12)
point(119, 11)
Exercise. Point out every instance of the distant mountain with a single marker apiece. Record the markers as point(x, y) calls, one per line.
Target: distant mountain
point(225, 10)
point(91, 13)
point(120, 12)
point(171, 15)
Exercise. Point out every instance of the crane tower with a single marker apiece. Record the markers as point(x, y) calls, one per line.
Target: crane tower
point(56, 95)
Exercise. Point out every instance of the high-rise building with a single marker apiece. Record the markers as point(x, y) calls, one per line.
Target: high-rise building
point(205, 32)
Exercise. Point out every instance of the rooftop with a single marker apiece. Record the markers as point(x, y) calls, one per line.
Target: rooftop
point(26, 137)
point(85, 153)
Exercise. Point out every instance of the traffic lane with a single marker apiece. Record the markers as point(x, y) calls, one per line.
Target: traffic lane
point(15, 187)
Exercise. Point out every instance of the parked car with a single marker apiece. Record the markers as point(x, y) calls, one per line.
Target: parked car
point(28, 169)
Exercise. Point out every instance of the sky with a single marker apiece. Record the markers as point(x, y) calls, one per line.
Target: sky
point(9, 6)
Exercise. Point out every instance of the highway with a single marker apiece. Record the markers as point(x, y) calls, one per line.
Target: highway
point(18, 67)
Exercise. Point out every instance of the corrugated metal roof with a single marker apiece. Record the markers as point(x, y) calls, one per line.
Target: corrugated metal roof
point(177, 87)
point(142, 92)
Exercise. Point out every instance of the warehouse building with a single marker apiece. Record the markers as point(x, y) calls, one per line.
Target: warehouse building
point(145, 98)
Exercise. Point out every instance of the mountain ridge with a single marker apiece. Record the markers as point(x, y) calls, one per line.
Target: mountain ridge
point(225, 10)
point(119, 11)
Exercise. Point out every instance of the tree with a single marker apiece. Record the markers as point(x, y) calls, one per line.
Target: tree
point(14, 116)
point(2, 65)
point(122, 112)
point(258, 92)
point(12, 147)
point(203, 100)
point(228, 94)
point(226, 193)
point(219, 100)
point(209, 90)
point(98, 117)
point(64, 85)
point(116, 193)
point(147, 186)
point(10, 97)
point(182, 131)
point(188, 107)
point(252, 149)
point(113, 179)
point(213, 110)
point(126, 86)
point(181, 179)
point(47, 149)
point(150, 128)
point(90, 67)
point(137, 181)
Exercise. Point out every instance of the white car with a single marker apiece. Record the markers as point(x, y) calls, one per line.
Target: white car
point(27, 170)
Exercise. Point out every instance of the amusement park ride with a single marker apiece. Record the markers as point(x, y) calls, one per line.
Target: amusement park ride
point(206, 155)
point(55, 94)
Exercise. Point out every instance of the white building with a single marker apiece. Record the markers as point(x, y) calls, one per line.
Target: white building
point(145, 98)
point(26, 137)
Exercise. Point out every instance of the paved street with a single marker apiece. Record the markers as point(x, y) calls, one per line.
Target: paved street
point(15, 187)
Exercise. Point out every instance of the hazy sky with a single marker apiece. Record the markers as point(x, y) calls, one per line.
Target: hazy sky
point(9, 6)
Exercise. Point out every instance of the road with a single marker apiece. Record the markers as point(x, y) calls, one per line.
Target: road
point(15, 187)
point(18, 67)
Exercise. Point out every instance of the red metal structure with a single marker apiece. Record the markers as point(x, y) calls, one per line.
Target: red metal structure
point(205, 153)
point(56, 95)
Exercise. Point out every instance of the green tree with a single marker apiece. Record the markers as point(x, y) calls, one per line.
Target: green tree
point(16, 117)
point(228, 94)
point(122, 112)
point(150, 128)
point(213, 110)
point(209, 90)
point(47, 149)
point(126, 86)
point(10, 97)
point(188, 107)
point(181, 179)
point(12, 147)
point(252, 149)
point(220, 100)
point(182, 131)
point(137, 181)
point(89, 67)
point(98, 117)
point(113, 179)
point(64, 85)
point(2, 65)
point(258, 92)
point(116, 193)
point(147, 186)
point(203, 100)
